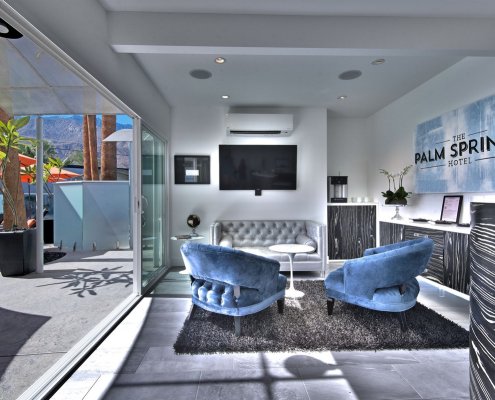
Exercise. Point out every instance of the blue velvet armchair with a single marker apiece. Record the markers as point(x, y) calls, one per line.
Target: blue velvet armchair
point(232, 282)
point(383, 279)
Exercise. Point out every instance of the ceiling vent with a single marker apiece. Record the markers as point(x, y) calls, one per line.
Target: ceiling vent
point(252, 125)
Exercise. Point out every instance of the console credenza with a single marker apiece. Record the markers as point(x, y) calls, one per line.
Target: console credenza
point(449, 263)
point(351, 229)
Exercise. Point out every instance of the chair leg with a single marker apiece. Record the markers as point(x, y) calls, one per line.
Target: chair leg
point(403, 322)
point(237, 324)
point(280, 304)
point(330, 303)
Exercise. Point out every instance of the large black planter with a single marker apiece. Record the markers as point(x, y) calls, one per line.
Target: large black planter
point(396, 202)
point(18, 252)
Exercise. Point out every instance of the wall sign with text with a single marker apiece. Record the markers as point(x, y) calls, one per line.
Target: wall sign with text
point(455, 152)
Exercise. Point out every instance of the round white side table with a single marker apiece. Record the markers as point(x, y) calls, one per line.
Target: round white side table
point(186, 239)
point(292, 249)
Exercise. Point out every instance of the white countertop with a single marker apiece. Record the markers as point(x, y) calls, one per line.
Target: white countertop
point(428, 225)
point(353, 204)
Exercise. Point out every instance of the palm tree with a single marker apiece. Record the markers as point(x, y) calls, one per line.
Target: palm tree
point(86, 151)
point(90, 149)
point(49, 150)
point(76, 157)
point(108, 149)
point(47, 175)
point(11, 188)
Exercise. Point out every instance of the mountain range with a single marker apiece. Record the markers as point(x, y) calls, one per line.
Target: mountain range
point(66, 135)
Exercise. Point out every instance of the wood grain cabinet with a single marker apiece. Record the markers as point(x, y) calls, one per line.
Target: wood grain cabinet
point(351, 230)
point(435, 268)
point(449, 263)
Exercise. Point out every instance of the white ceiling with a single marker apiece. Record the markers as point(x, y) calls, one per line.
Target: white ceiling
point(309, 81)
point(295, 61)
point(392, 8)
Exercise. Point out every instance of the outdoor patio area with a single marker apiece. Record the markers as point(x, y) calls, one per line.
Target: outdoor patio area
point(44, 315)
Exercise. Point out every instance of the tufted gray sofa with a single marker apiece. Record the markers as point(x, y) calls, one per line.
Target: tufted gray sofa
point(257, 236)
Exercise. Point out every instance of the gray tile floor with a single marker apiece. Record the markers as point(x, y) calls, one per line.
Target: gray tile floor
point(137, 361)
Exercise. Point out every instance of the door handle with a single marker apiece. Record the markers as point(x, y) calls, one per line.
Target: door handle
point(422, 235)
point(143, 207)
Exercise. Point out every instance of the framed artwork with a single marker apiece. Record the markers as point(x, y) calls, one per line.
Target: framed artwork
point(451, 209)
point(192, 169)
point(455, 152)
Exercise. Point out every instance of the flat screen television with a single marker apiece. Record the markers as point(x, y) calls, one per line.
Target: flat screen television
point(251, 167)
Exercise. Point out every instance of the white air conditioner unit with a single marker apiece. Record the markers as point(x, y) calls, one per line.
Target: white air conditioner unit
point(250, 125)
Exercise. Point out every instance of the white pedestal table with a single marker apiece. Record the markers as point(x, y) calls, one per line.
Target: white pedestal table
point(291, 250)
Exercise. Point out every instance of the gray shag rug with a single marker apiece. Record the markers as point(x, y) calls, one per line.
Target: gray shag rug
point(49, 256)
point(306, 326)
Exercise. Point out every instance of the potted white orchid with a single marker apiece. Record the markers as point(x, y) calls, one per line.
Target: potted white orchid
point(397, 196)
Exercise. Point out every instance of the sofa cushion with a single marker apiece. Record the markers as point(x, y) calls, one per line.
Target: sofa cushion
point(226, 241)
point(263, 233)
point(306, 240)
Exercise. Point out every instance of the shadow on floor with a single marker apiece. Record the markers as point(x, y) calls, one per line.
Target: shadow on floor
point(15, 330)
point(81, 280)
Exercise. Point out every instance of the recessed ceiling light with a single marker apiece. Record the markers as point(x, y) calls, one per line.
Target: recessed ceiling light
point(225, 96)
point(342, 97)
point(200, 74)
point(378, 61)
point(220, 60)
point(7, 32)
point(349, 75)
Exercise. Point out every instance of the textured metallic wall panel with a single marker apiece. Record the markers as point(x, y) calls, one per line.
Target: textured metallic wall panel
point(456, 262)
point(482, 302)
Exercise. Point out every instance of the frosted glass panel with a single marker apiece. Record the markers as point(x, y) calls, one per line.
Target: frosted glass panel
point(85, 99)
point(14, 72)
point(31, 102)
point(106, 215)
point(68, 213)
point(54, 73)
point(33, 82)
point(92, 212)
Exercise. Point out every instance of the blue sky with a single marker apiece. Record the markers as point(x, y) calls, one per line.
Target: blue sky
point(121, 119)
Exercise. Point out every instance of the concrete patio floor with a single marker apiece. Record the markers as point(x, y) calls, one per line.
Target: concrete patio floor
point(44, 315)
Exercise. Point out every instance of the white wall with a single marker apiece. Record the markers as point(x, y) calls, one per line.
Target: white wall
point(347, 152)
point(391, 130)
point(359, 147)
point(199, 131)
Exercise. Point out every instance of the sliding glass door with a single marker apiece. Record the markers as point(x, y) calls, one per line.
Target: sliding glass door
point(152, 206)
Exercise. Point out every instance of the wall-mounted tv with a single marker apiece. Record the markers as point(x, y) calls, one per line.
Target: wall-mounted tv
point(251, 167)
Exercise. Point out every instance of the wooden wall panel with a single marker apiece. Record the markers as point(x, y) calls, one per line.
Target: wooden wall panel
point(391, 233)
point(351, 230)
point(434, 271)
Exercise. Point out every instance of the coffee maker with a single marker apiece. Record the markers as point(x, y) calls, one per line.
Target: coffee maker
point(337, 189)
